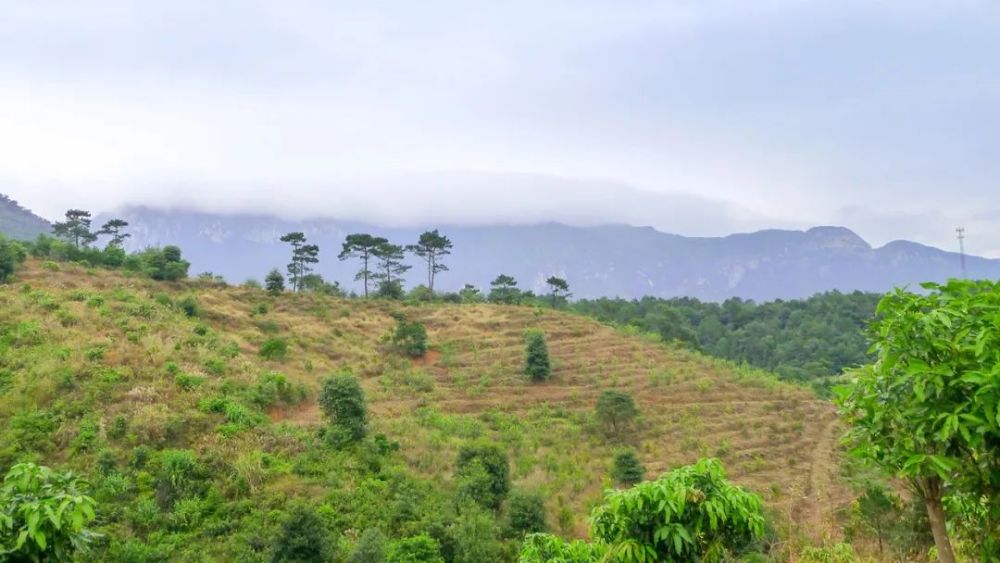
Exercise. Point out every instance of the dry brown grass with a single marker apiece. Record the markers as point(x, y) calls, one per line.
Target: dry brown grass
point(777, 439)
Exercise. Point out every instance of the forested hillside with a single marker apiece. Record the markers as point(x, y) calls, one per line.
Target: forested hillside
point(797, 339)
point(19, 223)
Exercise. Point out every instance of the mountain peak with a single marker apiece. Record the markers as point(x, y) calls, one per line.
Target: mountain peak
point(832, 237)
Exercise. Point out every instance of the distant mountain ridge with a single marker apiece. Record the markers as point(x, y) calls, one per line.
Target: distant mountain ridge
point(611, 260)
point(19, 223)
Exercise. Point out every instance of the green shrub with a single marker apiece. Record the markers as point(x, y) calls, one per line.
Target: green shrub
point(303, 539)
point(525, 513)
point(118, 428)
point(189, 305)
point(483, 473)
point(180, 476)
point(343, 402)
point(536, 356)
point(416, 549)
point(274, 349)
point(188, 382)
point(371, 547)
point(410, 338)
point(627, 469)
point(12, 255)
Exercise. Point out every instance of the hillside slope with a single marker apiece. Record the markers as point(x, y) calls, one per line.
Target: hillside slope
point(95, 366)
point(19, 223)
point(604, 261)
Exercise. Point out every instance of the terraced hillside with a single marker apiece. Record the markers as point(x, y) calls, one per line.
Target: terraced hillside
point(95, 353)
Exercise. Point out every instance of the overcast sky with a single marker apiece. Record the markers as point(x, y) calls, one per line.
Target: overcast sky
point(699, 117)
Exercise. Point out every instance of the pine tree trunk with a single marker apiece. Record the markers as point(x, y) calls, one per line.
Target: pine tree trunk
point(935, 513)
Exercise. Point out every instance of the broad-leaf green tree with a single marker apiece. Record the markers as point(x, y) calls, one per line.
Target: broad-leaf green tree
point(43, 515)
point(692, 513)
point(927, 408)
point(616, 409)
point(432, 246)
point(363, 247)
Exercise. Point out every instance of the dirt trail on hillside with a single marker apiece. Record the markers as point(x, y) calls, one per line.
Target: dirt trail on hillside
point(820, 501)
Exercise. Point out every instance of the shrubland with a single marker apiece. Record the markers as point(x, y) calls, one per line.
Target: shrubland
point(237, 423)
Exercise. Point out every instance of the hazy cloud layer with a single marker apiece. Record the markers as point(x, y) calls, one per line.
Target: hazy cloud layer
point(694, 117)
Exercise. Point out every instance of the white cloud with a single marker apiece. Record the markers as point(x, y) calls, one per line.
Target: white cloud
point(779, 112)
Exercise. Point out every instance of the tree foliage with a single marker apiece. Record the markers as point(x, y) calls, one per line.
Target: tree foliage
point(536, 356)
point(800, 339)
point(12, 255)
point(927, 408)
point(362, 246)
point(483, 471)
point(525, 512)
point(44, 515)
point(303, 539)
point(431, 247)
point(504, 290)
point(390, 269)
point(343, 402)
point(558, 289)
point(76, 228)
point(627, 469)
point(410, 338)
point(616, 409)
point(114, 228)
point(691, 513)
point(415, 549)
point(274, 282)
point(303, 257)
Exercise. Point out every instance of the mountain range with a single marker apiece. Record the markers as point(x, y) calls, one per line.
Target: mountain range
point(609, 260)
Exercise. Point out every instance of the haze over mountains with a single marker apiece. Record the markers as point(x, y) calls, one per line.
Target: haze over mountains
point(613, 260)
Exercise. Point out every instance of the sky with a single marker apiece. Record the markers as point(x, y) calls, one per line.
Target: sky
point(697, 117)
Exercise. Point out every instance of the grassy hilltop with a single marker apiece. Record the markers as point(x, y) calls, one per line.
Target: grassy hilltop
point(196, 444)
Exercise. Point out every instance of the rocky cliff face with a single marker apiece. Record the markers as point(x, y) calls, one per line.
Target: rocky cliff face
point(610, 260)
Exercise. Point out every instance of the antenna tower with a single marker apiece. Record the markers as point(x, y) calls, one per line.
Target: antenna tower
point(961, 247)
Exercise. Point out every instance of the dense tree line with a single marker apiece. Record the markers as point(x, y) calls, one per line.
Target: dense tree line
point(797, 339)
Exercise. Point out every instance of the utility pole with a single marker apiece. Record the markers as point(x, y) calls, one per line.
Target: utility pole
point(961, 247)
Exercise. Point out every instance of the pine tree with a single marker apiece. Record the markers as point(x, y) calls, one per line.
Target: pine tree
point(432, 246)
point(75, 228)
point(628, 469)
point(274, 282)
point(536, 358)
point(362, 246)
